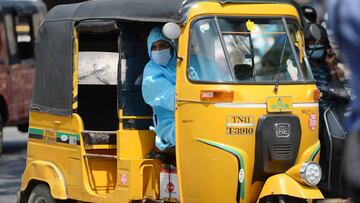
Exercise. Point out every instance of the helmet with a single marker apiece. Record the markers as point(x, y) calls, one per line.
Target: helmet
point(309, 14)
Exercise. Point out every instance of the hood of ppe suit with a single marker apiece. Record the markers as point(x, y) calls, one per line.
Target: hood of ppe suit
point(156, 35)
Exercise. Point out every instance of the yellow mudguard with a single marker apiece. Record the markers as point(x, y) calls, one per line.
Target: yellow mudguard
point(283, 184)
point(46, 172)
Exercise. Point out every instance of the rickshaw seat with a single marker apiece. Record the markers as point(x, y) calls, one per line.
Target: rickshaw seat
point(99, 137)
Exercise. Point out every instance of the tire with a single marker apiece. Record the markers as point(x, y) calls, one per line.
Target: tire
point(281, 199)
point(23, 128)
point(1, 135)
point(41, 194)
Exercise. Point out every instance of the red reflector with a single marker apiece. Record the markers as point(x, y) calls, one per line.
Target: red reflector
point(216, 96)
point(316, 95)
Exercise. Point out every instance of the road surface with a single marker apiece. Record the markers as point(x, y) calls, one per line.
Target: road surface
point(12, 164)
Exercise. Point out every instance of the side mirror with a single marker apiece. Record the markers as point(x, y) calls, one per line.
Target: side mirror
point(309, 14)
point(171, 30)
point(315, 31)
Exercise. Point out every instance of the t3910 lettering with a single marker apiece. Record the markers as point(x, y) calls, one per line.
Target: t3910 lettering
point(239, 125)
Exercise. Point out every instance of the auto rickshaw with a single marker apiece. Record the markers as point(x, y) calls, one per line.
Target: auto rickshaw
point(246, 112)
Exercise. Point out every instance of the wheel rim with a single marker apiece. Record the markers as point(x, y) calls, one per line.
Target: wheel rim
point(40, 199)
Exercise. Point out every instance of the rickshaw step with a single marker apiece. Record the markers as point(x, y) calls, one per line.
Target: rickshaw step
point(104, 156)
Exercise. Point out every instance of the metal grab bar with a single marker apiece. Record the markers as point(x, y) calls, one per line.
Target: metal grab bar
point(105, 156)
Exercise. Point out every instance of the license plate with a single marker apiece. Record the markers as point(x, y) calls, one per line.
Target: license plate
point(279, 104)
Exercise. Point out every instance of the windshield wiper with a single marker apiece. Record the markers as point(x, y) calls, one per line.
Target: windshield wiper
point(276, 88)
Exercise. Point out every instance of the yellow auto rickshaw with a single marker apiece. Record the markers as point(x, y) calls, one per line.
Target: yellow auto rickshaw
point(246, 112)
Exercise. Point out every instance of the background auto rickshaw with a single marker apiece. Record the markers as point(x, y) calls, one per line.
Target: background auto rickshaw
point(19, 25)
point(246, 118)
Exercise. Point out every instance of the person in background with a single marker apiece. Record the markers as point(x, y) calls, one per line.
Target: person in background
point(322, 59)
point(158, 86)
point(342, 71)
point(344, 21)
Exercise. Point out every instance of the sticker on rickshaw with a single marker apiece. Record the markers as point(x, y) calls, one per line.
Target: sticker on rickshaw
point(279, 104)
point(250, 25)
point(240, 125)
point(123, 178)
point(312, 122)
point(204, 27)
point(49, 136)
point(241, 175)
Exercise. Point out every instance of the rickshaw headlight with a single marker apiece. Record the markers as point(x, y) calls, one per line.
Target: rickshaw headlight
point(310, 173)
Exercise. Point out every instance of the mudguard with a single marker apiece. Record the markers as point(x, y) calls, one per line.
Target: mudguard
point(282, 184)
point(47, 172)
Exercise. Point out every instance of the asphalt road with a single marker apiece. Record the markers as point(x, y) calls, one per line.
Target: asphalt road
point(12, 164)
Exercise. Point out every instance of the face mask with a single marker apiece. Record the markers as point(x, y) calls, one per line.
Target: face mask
point(161, 57)
point(316, 51)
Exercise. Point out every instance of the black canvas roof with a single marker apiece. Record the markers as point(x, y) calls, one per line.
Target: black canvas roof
point(139, 10)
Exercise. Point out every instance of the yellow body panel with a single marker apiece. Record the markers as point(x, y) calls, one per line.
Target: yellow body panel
point(90, 179)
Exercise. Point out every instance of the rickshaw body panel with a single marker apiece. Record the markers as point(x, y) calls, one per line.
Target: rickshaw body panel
point(282, 184)
point(201, 127)
point(95, 179)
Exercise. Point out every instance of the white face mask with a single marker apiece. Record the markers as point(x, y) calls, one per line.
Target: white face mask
point(161, 57)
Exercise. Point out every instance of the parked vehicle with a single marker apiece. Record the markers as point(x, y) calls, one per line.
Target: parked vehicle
point(19, 23)
point(246, 126)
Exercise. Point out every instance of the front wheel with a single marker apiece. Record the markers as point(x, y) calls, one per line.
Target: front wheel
point(41, 194)
point(281, 199)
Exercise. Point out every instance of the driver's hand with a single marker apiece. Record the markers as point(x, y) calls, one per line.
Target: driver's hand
point(330, 59)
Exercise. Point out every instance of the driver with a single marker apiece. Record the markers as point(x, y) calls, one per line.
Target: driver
point(322, 59)
point(158, 86)
point(323, 64)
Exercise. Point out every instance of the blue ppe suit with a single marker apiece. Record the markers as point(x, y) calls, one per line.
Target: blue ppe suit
point(158, 89)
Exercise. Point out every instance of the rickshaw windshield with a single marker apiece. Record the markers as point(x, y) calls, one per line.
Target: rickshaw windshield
point(250, 50)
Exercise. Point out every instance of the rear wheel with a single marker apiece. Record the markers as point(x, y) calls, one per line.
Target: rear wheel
point(41, 194)
point(23, 128)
